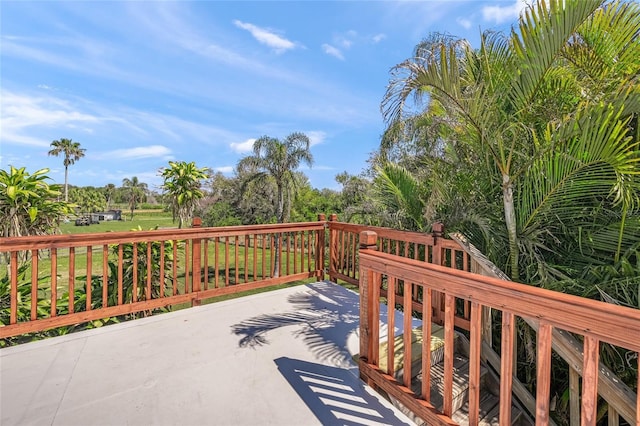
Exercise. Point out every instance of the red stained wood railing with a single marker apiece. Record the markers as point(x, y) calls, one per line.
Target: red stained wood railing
point(121, 273)
point(595, 321)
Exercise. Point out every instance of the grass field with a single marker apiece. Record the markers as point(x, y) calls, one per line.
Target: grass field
point(145, 219)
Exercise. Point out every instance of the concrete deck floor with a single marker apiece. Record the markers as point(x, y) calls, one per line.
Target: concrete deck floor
point(277, 358)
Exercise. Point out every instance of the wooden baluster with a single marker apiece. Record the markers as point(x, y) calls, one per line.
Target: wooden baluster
point(264, 256)
point(216, 260)
point(613, 418)
point(105, 275)
point(72, 279)
point(161, 270)
point(590, 381)
point(574, 397)
point(205, 264)
point(54, 282)
point(426, 343)
point(187, 288)
point(475, 345)
point(288, 239)
point(449, 318)
point(175, 268)
point(295, 252)
point(543, 376)
point(226, 261)
point(506, 367)
point(120, 271)
point(13, 266)
point(391, 316)
point(236, 258)
point(147, 290)
point(246, 258)
point(255, 257)
point(34, 285)
point(407, 332)
point(89, 273)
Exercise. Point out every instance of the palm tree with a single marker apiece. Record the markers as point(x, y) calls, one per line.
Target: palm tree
point(278, 160)
point(72, 153)
point(109, 191)
point(555, 150)
point(136, 191)
point(182, 181)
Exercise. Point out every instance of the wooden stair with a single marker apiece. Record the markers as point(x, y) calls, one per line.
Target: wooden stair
point(489, 386)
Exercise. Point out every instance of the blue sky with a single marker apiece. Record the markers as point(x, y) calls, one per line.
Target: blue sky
point(140, 83)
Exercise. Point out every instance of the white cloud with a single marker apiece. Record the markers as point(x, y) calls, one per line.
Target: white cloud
point(242, 147)
point(333, 51)
point(464, 22)
point(501, 14)
point(316, 136)
point(378, 37)
point(267, 37)
point(153, 151)
point(224, 169)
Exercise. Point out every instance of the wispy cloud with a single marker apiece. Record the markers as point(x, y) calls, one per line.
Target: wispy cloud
point(464, 22)
point(332, 51)
point(267, 37)
point(378, 37)
point(224, 169)
point(242, 147)
point(316, 136)
point(501, 14)
point(153, 151)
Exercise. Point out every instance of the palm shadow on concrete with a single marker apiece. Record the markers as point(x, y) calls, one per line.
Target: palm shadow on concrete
point(334, 395)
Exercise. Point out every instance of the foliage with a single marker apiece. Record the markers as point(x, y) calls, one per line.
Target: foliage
point(72, 153)
point(28, 204)
point(135, 192)
point(182, 182)
point(88, 199)
point(220, 213)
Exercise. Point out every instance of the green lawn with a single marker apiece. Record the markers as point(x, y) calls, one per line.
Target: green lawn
point(143, 219)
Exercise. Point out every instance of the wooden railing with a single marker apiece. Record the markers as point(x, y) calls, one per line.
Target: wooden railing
point(344, 240)
point(595, 321)
point(61, 280)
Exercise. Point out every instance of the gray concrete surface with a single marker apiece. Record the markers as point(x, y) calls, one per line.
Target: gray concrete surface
point(277, 358)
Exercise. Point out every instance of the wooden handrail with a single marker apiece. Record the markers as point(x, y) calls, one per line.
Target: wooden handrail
point(596, 321)
point(165, 267)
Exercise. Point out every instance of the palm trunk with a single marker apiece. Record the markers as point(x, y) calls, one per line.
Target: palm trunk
point(66, 184)
point(510, 220)
point(276, 242)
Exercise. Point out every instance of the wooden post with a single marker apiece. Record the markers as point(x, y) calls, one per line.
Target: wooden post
point(321, 247)
point(368, 240)
point(196, 262)
point(333, 248)
point(437, 230)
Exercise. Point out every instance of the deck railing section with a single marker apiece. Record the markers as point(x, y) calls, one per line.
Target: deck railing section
point(344, 241)
point(61, 280)
point(594, 321)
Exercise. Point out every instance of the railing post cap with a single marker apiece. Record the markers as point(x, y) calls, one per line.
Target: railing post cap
point(333, 217)
point(322, 217)
point(438, 228)
point(196, 223)
point(368, 239)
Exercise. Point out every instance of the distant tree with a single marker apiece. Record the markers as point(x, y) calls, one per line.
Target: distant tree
point(88, 199)
point(109, 192)
point(182, 183)
point(135, 191)
point(72, 153)
point(278, 160)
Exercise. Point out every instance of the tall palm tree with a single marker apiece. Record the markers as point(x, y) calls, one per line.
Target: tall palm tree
point(72, 153)
point(109, 191)
point(555, 151)
point(136, 191)
point(183, 181)
point(278, 160)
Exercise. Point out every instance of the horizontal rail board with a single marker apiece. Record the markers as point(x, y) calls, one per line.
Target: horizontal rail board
point(610, 323)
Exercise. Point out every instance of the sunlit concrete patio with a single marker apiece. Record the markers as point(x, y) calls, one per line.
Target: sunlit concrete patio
point(281, 358)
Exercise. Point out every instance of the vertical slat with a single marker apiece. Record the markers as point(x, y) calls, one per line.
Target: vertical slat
point(246, 258)
point(196, 267)
point(255, 257)
point(407, 334)
point(205, 264)
point(343, 235)
point(13, 314)
point(54, 282)
point(391, 325)
point(174, 272)
point(474, 362)
point(506, 367)
point(638, 388)
point(34, 285)
point(226, 261)
point(295, 252)
point(311, 237)
point(347, 254)
point(375, 318)
point(135, 272)
point(264, 256)
point(543, 376)
point(147, 291)
point(216, 255)
point(613, 418)
point(89, 273)
point(236, 259)
point(105, 275)
point(72, 279)
point(161, 270)
point(272, 260)
point(574, 397)
point(186, 266)
point(426, 343)
point(590, 381)
point(354, 251)
point(449, 318)
point(120, 266)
